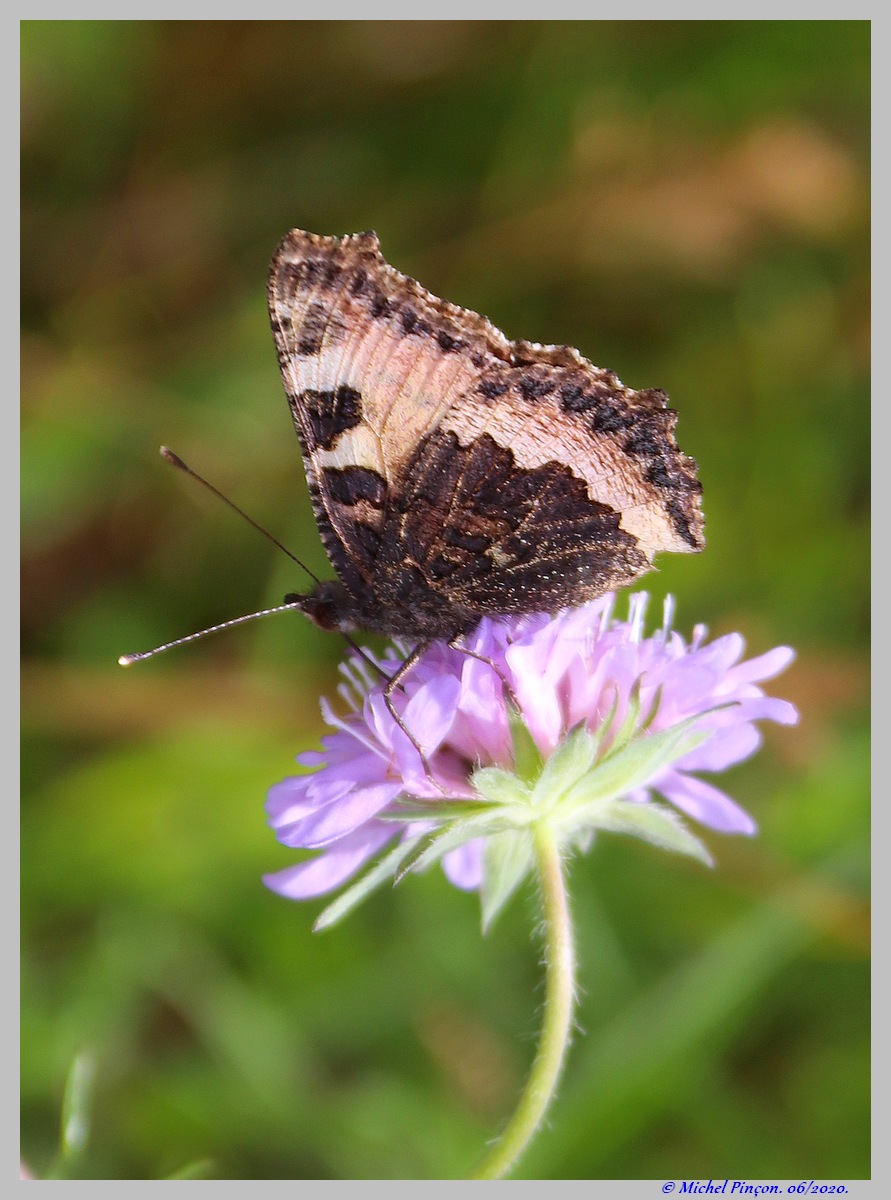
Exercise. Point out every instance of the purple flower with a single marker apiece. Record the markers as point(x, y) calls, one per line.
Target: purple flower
point(604, 718)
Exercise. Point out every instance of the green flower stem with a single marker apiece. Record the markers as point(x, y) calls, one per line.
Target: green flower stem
point(558, 1013)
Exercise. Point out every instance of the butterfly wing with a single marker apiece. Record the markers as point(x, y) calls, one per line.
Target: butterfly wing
point(455, 473)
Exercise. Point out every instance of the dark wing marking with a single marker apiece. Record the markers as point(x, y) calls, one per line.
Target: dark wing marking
point(491, 536)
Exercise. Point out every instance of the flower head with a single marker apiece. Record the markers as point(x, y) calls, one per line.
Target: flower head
point(577, 720)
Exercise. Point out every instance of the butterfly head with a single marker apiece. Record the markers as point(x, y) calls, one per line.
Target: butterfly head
point(329, 606)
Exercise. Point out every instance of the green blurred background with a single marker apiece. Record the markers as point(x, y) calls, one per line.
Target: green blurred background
point(688, 204)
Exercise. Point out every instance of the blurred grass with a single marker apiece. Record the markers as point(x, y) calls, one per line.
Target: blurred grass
point(687, 202)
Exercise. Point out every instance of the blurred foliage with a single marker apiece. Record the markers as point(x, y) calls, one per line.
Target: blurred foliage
point(688, 203)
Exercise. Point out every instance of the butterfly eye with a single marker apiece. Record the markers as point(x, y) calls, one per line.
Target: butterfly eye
point(328, 606)
point(323, 613)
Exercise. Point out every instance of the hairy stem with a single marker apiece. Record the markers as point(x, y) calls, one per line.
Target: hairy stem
point(556, 1027)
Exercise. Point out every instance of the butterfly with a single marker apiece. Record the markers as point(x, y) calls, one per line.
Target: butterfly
point(454, 473)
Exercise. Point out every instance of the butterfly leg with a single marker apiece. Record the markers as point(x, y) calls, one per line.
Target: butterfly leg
point(393, 683)
point(455, 644)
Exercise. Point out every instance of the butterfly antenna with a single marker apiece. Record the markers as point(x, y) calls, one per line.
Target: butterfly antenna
point(176, 461)
point(127, 659)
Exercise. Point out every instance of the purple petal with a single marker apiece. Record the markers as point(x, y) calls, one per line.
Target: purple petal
point(403, 754)
point(337, 820)
point(768, 708)
point(705, 803)
point(333, 867)
point(287, 800)
point(766, 666)
point(538, 699)
point(480, 731)
point(350, 728)
point(430, 712)
point(311, 758)
point(724, 748)
point(721, 654)
point(464, 866)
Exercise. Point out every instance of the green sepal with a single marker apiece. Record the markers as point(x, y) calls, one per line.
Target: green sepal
point(385, 868)
point(508, 860)
point(433, 845)
point(632, 767)
point(198, 1168)
point(438, 811)
point(654, 823)
point(629, 723)
point(500, 787)
point(76, 1105)
point(528, 760)
point(568, 765)
point(598, 735)
point(583, 839)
